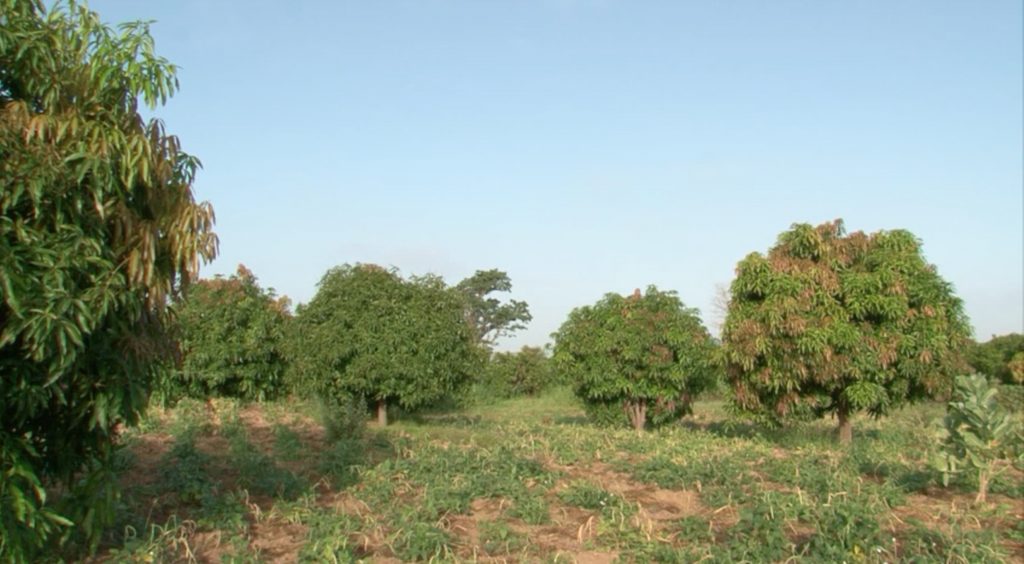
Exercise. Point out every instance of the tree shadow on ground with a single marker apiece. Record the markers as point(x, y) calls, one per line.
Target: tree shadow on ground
point(725, 429)
point(571, 420)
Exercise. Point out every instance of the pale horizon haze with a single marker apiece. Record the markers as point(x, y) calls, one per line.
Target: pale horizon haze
point(594, 146)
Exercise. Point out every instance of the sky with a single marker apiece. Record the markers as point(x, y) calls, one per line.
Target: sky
point(595, 146)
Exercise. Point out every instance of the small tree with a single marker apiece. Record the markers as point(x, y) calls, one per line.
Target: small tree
point(489, 317)
point(525, 372)
point(637, 354)
point(230, 333)
point(836, 323)
point(370, 333)
point(99, 231)
point(977, 434)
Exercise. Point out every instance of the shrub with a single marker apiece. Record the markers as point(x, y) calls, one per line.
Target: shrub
point(976, 434)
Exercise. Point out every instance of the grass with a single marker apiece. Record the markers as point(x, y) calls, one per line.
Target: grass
point(529, 480)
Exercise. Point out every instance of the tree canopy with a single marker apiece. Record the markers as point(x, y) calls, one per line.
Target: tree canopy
point(490, 318)
point(1000, 357)
point(99, 231)
point(368, 332)
point(230, 331)
point(525, 372)
point(829, 322)
point(634, 356)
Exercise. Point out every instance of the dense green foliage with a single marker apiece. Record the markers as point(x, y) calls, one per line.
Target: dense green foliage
point(489, 317)
point(833, 323)
point(639, 358)
point(231, 333)
point(977, 434)
point(98, 231)
point(526, 372)
point(370, 333)
point(1000, 357)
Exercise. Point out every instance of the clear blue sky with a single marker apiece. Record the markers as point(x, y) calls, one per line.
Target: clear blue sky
point(593, 146)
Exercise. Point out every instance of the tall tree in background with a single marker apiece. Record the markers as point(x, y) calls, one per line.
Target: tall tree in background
point(490, 318)
point(230, 332)
point(370, 333)
point(629, 356)
point(833, 323)
point(719, 308)
point(99, 231)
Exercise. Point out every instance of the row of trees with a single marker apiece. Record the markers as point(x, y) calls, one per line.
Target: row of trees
point(824, 323)
point(367, 333)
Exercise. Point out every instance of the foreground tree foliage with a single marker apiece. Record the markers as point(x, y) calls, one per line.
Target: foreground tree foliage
point(835, 323)
point(98, 232)
point(1001, 357)
point(526, 372)
point(489, 317)
point(370, 333)
point(634, 357)
point(230, 333)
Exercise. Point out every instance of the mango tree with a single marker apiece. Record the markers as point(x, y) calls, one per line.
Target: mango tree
point(230, 332)
point(525, 372)
point(833, 323)
point(370, 333)
point(99, 231)
point(638, 355)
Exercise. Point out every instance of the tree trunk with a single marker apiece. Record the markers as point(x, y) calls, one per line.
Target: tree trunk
point(638, 414)
point(845, 427)
point(382, 413)
point(983, 480)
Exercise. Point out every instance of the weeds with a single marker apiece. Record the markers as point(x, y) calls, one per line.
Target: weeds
point(545, 489)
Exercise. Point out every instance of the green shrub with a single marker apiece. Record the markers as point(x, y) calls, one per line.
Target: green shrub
point(976, 433)
point(230, 332)
point(512, 374)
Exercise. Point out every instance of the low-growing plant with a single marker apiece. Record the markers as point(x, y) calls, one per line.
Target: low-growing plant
point(191, 417)
point(532, 508)
point(417, 541)
point(186, 471)
point(977, 434)
point(287, 443)
point(496, 537)
point(258, 471)
point(586, 495)
point(162, 544)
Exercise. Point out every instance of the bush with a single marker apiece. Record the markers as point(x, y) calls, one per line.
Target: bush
point(230, 332)
point(977, 434)
point(513, 374)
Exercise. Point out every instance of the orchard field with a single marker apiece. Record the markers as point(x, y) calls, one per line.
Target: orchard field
point(530, 480)
point(842, 409)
